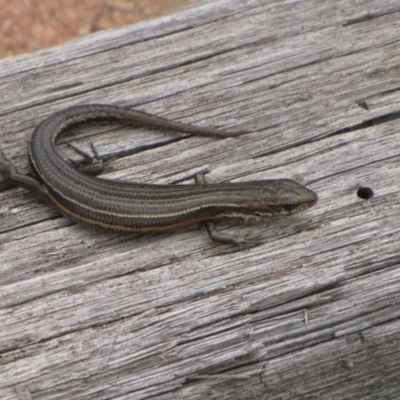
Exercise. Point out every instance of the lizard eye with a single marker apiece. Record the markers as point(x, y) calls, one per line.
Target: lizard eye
point(289, 207)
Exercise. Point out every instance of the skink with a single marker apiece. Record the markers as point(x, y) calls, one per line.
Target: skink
point(135, 207)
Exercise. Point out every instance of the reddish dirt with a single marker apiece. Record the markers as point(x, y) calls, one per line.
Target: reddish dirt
point(29, 25)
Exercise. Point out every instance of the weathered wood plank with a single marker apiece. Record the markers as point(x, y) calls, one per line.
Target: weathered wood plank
point(313, 312)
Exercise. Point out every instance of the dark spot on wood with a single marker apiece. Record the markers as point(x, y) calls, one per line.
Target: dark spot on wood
point(365, 193)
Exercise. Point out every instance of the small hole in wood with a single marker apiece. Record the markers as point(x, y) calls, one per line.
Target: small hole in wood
point(365, 193)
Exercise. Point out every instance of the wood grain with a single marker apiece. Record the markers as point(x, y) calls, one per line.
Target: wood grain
point(313, 312)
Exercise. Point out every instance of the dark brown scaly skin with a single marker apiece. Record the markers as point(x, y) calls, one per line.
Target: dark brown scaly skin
point(137, 207)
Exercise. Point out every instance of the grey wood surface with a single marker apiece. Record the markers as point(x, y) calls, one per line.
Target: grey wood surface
point(313, 312)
